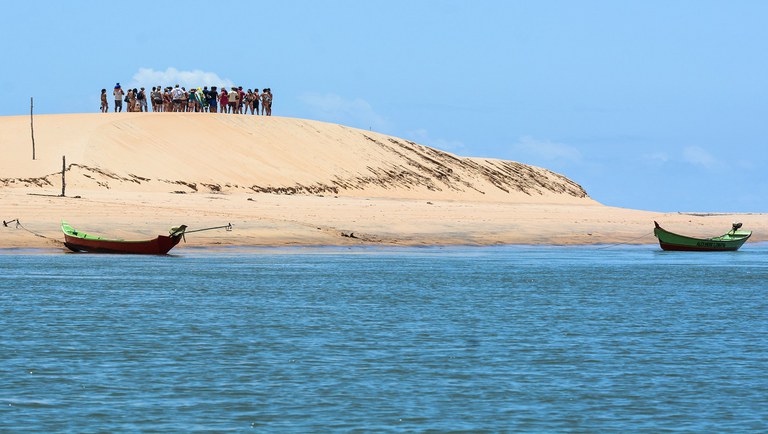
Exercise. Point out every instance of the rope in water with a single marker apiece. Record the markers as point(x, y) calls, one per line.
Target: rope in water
point(21, 226)
point(624, 242)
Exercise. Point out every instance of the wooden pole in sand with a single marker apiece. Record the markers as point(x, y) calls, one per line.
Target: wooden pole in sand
point(63, 171)
point(32, 125)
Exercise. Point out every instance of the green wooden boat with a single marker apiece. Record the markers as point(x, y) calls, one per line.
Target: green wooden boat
point(730, 241)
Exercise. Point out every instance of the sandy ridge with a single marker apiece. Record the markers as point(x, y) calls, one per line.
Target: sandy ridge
point(285, 181)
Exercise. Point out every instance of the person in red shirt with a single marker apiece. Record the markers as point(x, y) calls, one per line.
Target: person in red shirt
point(224, 101)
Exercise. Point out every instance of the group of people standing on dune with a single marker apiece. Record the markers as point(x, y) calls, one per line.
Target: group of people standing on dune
point(179, 99)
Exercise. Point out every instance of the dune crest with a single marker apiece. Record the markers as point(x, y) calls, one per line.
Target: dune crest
point(198, 152)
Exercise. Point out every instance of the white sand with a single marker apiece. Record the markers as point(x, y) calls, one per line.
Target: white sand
point(284, 181)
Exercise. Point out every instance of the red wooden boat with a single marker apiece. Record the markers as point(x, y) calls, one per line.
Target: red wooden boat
point(82, 242)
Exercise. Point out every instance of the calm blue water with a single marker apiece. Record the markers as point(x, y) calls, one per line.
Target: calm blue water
point(307, 340)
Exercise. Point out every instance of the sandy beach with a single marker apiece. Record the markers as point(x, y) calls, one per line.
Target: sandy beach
point(285, 181)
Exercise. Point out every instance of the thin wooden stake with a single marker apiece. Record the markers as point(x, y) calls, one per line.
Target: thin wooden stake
point(32, 125)
point(63, 171)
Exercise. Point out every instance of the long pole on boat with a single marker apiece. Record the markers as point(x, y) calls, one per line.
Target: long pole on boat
point(227, 227)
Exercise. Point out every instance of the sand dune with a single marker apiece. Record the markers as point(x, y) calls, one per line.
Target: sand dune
point(189, 152)
point(291, 181)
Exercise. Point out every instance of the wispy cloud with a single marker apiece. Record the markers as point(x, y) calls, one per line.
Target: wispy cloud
point(657, 157)
point(699, 157)
point(148, 77)
point(544, 150)
point(691, 156)
point(423, 137)
point(353, 112)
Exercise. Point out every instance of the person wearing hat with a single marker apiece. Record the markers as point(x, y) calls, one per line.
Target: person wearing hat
point(118, 93)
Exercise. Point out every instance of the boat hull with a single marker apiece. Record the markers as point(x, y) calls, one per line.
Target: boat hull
point(729, 242)
point(704, 247)
point(77, 241)
point(158, 246)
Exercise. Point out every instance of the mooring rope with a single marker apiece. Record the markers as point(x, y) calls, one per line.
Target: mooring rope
point(21, 226)
point(624, 242)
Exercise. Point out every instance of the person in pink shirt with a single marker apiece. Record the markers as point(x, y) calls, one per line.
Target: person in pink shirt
point(224, 101)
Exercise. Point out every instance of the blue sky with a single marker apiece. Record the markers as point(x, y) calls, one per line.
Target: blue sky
point(657, 105)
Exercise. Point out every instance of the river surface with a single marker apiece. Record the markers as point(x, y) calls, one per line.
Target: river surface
point(588, 339)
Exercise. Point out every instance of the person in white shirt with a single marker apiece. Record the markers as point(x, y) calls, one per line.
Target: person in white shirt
point(234, 99)
point(118, 93)
point(177, 94)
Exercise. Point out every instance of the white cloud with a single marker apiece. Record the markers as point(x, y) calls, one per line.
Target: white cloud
point(657, 157)
point(422, 137)
point(545, 150)
point(699, 157)
point(352, 112)
point(148, 77)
